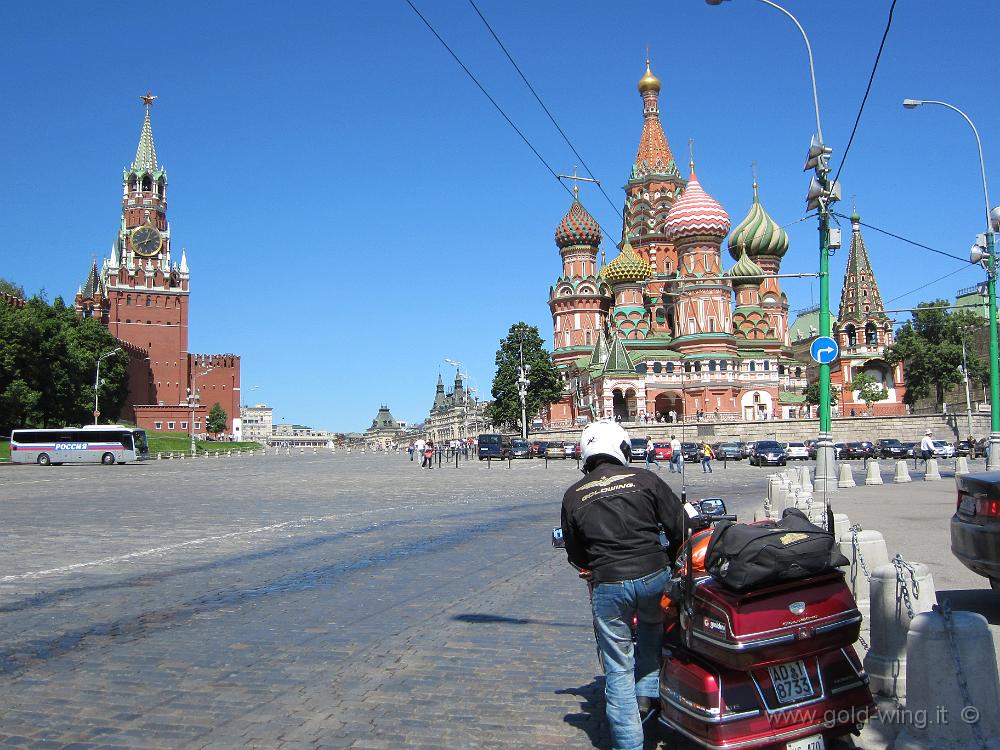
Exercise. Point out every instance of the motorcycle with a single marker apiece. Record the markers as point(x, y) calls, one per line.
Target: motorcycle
point(772, 668)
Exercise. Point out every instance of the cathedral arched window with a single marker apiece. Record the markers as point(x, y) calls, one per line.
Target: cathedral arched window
point(657, 368)
point(753, 367)
point(128, 299)
point(160, 187)
point(641, 368)
point(697, 366)
point(852, 335)
point(712, 364)
point(871, 334)
point(586, 337)
point(723, 365)
point(798, 372)
point(149, 302)
point(767, 364)
point(687, 367)
point(670, 367)
point(131, 183)
point(147, 183)
point(781, 369)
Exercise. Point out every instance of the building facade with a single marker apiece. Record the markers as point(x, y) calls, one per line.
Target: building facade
point(257, 422)
point(141, 294)
point(656, 334)
point(455, 415)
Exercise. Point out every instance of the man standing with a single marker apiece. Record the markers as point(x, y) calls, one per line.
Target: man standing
point(651, 453)
point(707, 454)
point(927, 446)
point(418, 448)
point(610, 523)
point(676, 455)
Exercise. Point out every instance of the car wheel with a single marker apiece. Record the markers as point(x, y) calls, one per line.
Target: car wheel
point(108, 459)
point(44, 460)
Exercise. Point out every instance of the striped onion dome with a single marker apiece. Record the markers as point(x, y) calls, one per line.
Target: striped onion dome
point(627, 267)
point(696, 214)
point(745, 272)
point(578, 228)
point(758, 234)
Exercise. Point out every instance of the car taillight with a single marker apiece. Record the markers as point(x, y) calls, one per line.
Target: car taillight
point(987, 507)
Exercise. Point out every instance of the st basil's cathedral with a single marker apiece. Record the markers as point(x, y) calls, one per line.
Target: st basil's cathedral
point(655, 334)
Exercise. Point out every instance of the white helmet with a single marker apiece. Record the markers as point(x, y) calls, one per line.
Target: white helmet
point(606, 439)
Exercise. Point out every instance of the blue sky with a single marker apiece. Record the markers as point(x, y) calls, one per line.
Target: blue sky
point(355, 210)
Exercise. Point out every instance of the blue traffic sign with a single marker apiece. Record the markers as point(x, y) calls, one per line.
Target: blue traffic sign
point(824, 350)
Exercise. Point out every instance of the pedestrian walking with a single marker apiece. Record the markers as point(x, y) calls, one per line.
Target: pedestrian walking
point(651, 453)
point(428, 455)
point(418, 448)
point(411, 449)
point(707, 454)
point(927, 447)
point(676, 456)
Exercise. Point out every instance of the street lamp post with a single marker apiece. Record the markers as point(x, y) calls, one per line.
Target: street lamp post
point(522, 390)
point(97, 380)
point(194, 399)
point(988, 258)
point(822, 193)
point(465, 397)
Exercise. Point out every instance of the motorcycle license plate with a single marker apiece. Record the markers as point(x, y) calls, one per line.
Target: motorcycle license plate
point(791, 682)
point(813, 742)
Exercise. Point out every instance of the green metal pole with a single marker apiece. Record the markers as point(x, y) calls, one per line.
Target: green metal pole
point(991, 280)
point(826, 470)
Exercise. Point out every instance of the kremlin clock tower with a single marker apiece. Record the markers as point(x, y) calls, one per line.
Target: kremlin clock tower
point(141, 295)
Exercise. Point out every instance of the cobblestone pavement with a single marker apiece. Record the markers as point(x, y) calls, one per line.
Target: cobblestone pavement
point(299, 601)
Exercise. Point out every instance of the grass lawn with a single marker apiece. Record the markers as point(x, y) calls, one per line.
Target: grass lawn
point(4, 450)
point(171, 442)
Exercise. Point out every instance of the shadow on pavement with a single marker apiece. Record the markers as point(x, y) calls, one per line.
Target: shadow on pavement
point(984, 601)
point(486, 618)
point(590, 719)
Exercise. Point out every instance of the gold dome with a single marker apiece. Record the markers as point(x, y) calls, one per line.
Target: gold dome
point(649, 82)
point(627, 268)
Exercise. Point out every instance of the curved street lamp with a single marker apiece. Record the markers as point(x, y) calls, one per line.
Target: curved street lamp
point(820, 196)
point(97, 380)
point(988, 258)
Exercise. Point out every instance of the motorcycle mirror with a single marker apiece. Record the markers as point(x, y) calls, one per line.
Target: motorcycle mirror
point(557, 538)
point(712, 506)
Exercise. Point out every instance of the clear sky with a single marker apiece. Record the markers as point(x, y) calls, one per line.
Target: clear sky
point(355, 211)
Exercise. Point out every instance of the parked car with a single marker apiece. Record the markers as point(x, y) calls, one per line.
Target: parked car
point(981, 445)
point(854, 450)
point(891, 448)
point(797, 451)
point(572, 449)
point(690, 451)
point(555, 450)
point(638, 449)
point(492, 445)
point(975, 527)
point(662, 451)
point(728, 451)
point(538, 448)
point(767, 452)
point(520, 448)
point(962, 448)
point(909, 448)
point(943, 449)
point(838, 450)
point(746, 449)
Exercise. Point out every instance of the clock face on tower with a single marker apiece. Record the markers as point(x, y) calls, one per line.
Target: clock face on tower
point(146, 241)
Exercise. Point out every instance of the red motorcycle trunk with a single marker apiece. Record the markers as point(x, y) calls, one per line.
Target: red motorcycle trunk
point(790, 620)
point(723, 708)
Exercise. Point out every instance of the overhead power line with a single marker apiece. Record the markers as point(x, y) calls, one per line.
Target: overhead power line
point(499, 109)
point(929, 283)
point(534, 93)
point(903, 239)
point(868, 89)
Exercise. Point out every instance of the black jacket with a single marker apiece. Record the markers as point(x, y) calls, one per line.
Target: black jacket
point(609, 522)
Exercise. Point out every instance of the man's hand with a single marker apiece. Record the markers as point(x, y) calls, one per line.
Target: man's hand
point(585, 574)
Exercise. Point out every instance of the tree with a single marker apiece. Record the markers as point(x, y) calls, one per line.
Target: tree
point(216, 421)
point(48, 358)
point(869, 389)
point(930, 345)
point(545, 385)
point(812, 394)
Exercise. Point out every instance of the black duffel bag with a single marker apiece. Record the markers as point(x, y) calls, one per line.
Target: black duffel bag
point(745, 556)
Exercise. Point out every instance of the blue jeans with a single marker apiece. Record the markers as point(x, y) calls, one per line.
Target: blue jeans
point(706, 465)
point(629, 672)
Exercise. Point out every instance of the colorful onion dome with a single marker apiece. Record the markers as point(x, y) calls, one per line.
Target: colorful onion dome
point(578, 228)
point(696, 214)
point(627, 267)
point(746, 272)
point(758, 234)
point(649, 82)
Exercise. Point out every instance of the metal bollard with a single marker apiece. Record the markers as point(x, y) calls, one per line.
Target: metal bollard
point(509, 457)
point(951, 674)
point(902, 472)
point(456, 459)
point(931, 471)
point(874, 473)
point(846, 478)
point(899, 592)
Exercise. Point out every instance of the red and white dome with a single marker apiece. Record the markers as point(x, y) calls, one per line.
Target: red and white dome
point(696, 214)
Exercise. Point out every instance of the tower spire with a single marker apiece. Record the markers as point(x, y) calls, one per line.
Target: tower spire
point(145, 153)
point(654, 154)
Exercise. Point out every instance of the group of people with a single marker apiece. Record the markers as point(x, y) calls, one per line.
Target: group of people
point(424, 450)
point(705, 455)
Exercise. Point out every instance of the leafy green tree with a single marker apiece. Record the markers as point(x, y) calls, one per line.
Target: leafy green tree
point(48, 358)
point(812, 394)
point(869, 389)
point(545, 385)
point(216, 421)
point(930, 346)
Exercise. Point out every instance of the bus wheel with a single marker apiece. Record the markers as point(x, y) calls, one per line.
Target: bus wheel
point(44, 460)
point(107, 459)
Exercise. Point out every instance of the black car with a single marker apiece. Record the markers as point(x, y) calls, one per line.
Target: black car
point(767, 452)
point(891, 448)
point(962, 448)
point(520, 448)
point(638, 449)
point(855, 450)
point(691, 452)
point(975, 527)
point(728, 451)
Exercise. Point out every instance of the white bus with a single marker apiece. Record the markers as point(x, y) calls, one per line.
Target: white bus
point(107, 444)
